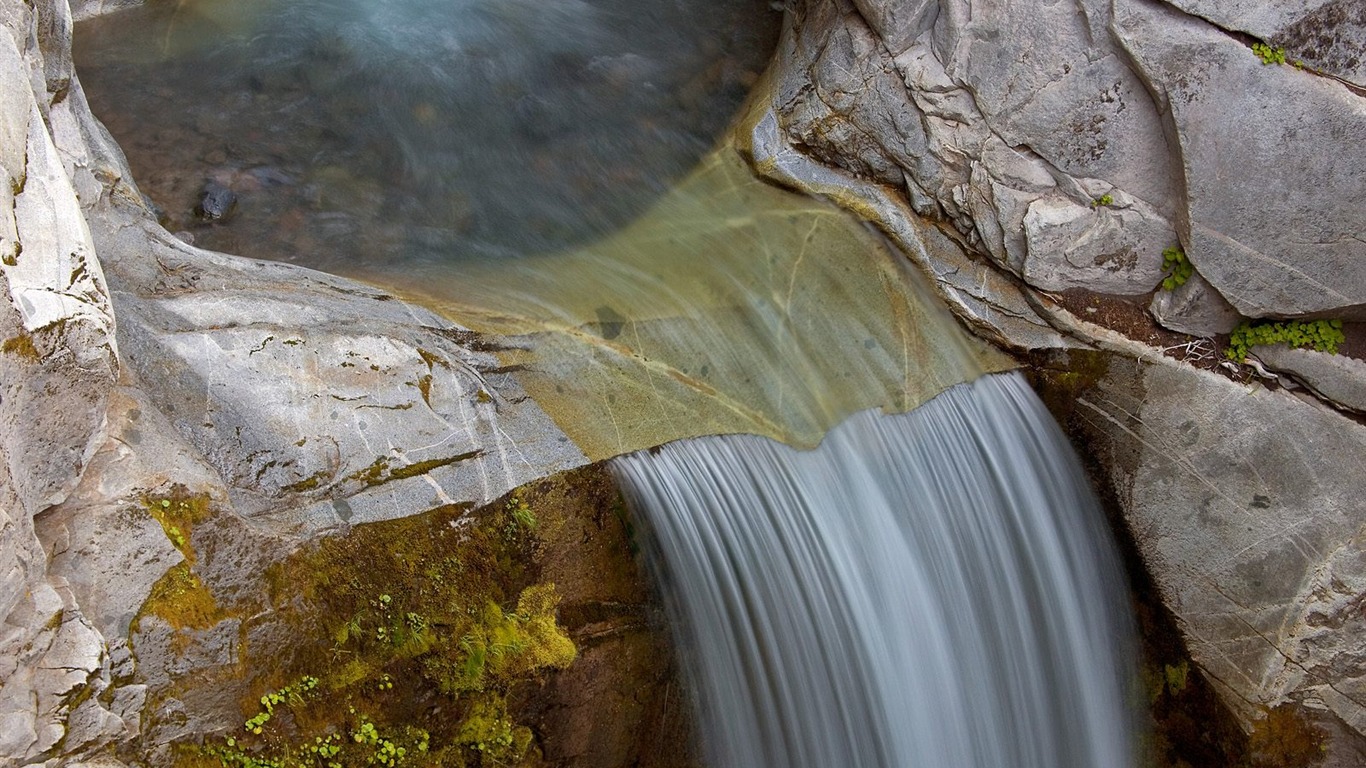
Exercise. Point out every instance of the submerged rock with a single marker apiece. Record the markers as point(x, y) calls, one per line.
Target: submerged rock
point(216, 202)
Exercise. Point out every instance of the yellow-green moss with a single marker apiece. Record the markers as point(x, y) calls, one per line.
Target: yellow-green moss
point(178, 511)
point(309, 483)
point(21, 346)
point(395, 621)
point(182, 600)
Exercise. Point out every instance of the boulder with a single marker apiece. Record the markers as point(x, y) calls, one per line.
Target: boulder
point(1194, 307)
point(319, 401)
point(1273, 158)
point(1113, 248)
point(1242, 503)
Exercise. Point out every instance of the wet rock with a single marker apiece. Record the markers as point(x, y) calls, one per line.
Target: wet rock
point(1242, 503)
point(216, 202)
point(985, 299)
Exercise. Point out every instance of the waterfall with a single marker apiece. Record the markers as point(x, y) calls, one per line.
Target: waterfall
point(935, 588)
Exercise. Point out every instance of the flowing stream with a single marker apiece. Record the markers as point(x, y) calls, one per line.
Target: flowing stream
point(932, 589)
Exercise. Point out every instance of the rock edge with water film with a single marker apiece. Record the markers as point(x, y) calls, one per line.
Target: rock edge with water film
point(139, 370)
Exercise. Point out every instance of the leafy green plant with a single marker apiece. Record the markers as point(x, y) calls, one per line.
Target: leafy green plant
point(1178, 268)
point(1320, 335)
point(1269, 55)
point(1103, 200)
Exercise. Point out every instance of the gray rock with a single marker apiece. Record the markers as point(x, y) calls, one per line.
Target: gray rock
point(1245, 506)
point(979, 149)
point(1327, 35)
point(59, 359)
point(1273, 161)
point(1043, 79)
point(89, 9)
point(1196, 308)
point(1339, 379)
point(216, 202)
point(319, 401)
point(991, 304)
point(1104, 248)
point(58, 362)
point(101, 540)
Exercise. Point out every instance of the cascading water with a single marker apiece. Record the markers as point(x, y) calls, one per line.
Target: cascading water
point(934, 588)
point(928, 589)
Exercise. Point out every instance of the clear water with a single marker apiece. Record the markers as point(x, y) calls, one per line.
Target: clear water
point(930, 589)
point(551, 172)
point(380, 134)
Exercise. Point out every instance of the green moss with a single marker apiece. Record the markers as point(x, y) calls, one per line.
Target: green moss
point(1103, 200)
point(178, 511)
point(423, 467)
point(424, 385)
point(182, 600)
point(1176, 676)
point(309, 483)
point(373, 474)
point(396, 621)
point(1320, 335)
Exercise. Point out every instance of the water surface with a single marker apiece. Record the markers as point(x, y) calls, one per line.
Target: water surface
point(364, 133)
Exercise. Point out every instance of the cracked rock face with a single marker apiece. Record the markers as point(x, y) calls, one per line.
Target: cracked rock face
point(58, 364)
point(1012, 121)
point(1251, 524)
point(1273, 160)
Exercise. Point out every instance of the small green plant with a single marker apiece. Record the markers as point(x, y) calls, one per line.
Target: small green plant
point(1102, 201)
point(520, 518)
point(291, 695)
point(1320, 335)
point(1176, 677)
point(1269, 55)
point(1178, 268)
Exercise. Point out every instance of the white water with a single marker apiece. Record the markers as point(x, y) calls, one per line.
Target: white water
point(930, 589)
